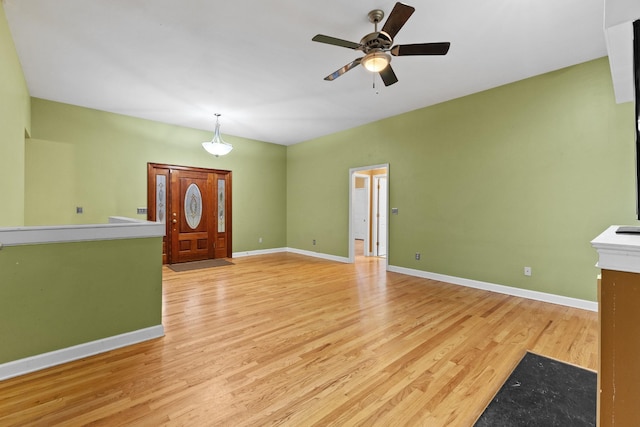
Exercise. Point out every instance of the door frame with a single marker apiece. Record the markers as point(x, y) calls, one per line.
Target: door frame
point(352, 172)
point(376, 217)
point(151, 203)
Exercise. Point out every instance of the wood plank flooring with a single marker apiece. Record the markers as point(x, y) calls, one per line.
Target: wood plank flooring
point(285, 339)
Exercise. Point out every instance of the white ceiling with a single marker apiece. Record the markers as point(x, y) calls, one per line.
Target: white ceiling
point(180, 62)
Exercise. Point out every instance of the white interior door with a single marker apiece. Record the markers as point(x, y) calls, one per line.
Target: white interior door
point(360, 213)
point(380, 215)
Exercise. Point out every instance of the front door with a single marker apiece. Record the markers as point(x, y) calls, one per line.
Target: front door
point(192, 216)
point(195, 205)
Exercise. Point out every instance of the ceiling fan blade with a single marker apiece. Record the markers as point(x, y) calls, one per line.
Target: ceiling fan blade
point(421, 49)
point(343, 70)
point(388, 76)
point(336, 42)
point(397, 18)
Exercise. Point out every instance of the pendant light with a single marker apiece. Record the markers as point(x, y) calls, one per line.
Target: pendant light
point(217, 146)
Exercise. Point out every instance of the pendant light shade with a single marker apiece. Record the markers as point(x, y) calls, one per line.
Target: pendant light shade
point(376, 61)
point(217, 146)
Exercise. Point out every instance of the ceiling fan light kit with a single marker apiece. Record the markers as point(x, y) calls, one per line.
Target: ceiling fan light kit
point(217, 146)
point(376, 61)
point(376, 45)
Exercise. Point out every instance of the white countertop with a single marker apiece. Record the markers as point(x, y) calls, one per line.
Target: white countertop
point(619, 252)
point(117, 228)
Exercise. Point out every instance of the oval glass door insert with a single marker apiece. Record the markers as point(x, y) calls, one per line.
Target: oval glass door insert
point(193, 206)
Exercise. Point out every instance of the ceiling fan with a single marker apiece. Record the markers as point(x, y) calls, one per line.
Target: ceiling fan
point(376, 45)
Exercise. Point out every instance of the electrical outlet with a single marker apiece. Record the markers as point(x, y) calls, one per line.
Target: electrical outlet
point(259, 239)
point(527, 271)
point(314, 242)
point(417, 256)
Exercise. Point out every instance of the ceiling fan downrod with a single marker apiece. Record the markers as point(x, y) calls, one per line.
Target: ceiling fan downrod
point(375, 16)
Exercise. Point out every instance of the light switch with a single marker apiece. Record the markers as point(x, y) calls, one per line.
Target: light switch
point(394, 211)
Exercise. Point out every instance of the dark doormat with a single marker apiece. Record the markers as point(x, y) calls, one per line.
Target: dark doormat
point(197, 265)
point(543, 392)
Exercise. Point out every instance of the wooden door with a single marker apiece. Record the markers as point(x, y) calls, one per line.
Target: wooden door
point(195, 205)
point(192, 216)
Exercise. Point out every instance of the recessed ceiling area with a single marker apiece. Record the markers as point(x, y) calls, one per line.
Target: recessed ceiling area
point(254, 61)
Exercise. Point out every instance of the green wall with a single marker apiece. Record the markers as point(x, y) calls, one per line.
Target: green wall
point(98, 160)
point(521, 175)
point(55, 296)
point(14, 123)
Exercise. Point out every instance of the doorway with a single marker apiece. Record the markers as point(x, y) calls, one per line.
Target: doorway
point(368, 231)
point(195, 205)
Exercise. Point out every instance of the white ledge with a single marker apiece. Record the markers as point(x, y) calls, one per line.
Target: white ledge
point(620, 252)
point(117, 228)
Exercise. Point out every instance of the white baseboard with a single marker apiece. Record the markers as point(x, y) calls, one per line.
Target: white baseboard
point(58, 357)
point(258, 252)
point(319, 255)
point(293, 251)
point(508, 290)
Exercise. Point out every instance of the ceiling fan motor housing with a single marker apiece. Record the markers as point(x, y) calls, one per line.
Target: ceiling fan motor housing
point(378, 40)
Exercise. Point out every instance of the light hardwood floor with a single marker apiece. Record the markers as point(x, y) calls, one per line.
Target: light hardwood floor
point(284, 339)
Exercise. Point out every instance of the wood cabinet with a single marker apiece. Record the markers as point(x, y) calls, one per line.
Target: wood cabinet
point(619, 316)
